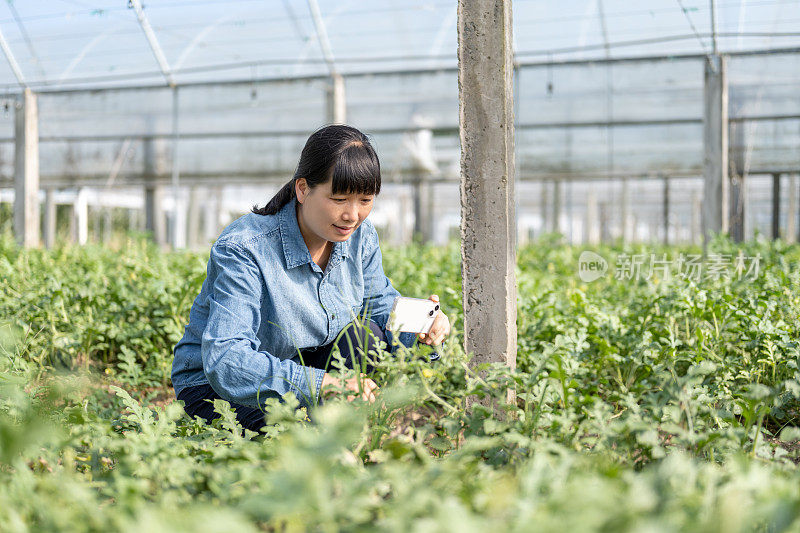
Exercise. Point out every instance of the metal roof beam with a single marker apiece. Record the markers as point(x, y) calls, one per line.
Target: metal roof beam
point(714, 26)
point(603, 29)
point(521, 62)
point(12, 62)
point(322, 36)
point(153, 41)
point(24, 32)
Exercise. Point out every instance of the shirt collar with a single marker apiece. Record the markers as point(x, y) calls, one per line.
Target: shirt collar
point(295, 251)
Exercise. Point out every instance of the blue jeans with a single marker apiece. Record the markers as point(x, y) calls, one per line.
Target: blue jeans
point(351, 345)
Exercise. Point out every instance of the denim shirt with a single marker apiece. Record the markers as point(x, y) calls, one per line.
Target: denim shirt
point(264, 299)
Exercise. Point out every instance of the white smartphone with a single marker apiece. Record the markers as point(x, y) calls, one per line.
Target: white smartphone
point(413, 315)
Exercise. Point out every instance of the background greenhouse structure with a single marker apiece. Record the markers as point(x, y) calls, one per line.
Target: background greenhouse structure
point(176, 116)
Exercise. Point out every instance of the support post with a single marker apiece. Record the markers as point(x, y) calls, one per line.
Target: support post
point(108, 224)
point(400, 234)
point(715, 146)
point(217, 212)
point(80, 217)
point(791, 211)
point(26, 170)
point(738, 207)
point(133, 216)
point(336, 101)
point(176, 226)
point(570, 230)
point(697, 209)
point(605, 232)
point(178, 236)
point(776, 206)
point(423, 198)
point(486, 127)
point(543, 191)
point(96, 222)
point(666, 209)
point(738, 191)
point(430, 208)
point(193, 217)
point(155, 223)
point(592, 218)
point(49, 218)
point(155, 170)
point(626, 210)
point(558, 185)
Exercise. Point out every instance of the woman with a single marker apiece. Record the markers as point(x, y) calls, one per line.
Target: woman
point(286, 284)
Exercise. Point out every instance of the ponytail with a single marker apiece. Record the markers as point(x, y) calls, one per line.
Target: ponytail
point(281, 198)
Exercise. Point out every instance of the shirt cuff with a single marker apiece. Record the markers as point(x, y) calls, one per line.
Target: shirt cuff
point(303, 378)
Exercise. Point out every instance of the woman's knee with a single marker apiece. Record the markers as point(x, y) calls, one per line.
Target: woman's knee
point(195, 400)
point(377, 332)
point(358, 334)
point(359, 339)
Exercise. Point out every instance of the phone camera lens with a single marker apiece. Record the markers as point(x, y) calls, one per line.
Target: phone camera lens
point(436, 308)
point(430, 313)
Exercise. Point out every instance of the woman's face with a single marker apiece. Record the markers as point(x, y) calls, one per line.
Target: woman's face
point(327, 216)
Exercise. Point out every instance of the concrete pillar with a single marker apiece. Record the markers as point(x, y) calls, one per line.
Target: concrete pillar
point(626, 210)
point(791, 211)
point(108, 224)
point(26, 170)
point(486, 125)
point(738, 213)
point(419, 217)
point(738, 207)
point(605, 233)
point(592, 218)
point(430, 208)
point(715, 146)
point(133, 223)
point(666, 209)
point(570, 185)
point(156, 165)
point(155, 222)
point(776, 206)
point(738, 193)
point(543, 193)
point(95, 210)
point(697, 210)
point(400, 235)
point(193, 217)
point(80, 218)
point(558, 187)
point(423, 207)
point(215, 214)
point(336, 102)
point(178, 236)
point(177, 222)
point(141, 220)
point(49, 218)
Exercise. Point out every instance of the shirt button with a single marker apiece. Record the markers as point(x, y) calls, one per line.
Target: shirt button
point(333, 316)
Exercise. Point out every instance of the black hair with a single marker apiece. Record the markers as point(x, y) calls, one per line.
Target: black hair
point(337, 152)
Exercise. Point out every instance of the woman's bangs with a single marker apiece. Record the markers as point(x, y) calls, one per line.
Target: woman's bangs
point(357, 171)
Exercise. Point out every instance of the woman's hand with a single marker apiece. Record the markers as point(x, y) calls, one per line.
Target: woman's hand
point(361, 385)
point(440, 328)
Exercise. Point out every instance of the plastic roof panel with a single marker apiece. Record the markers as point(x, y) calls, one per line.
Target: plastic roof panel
point(90, 43)
point(230, 124)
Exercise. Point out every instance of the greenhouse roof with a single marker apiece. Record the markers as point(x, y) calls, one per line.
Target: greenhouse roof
point(63, 44)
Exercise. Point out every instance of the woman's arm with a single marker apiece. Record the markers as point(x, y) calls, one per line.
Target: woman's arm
point(234, 366)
